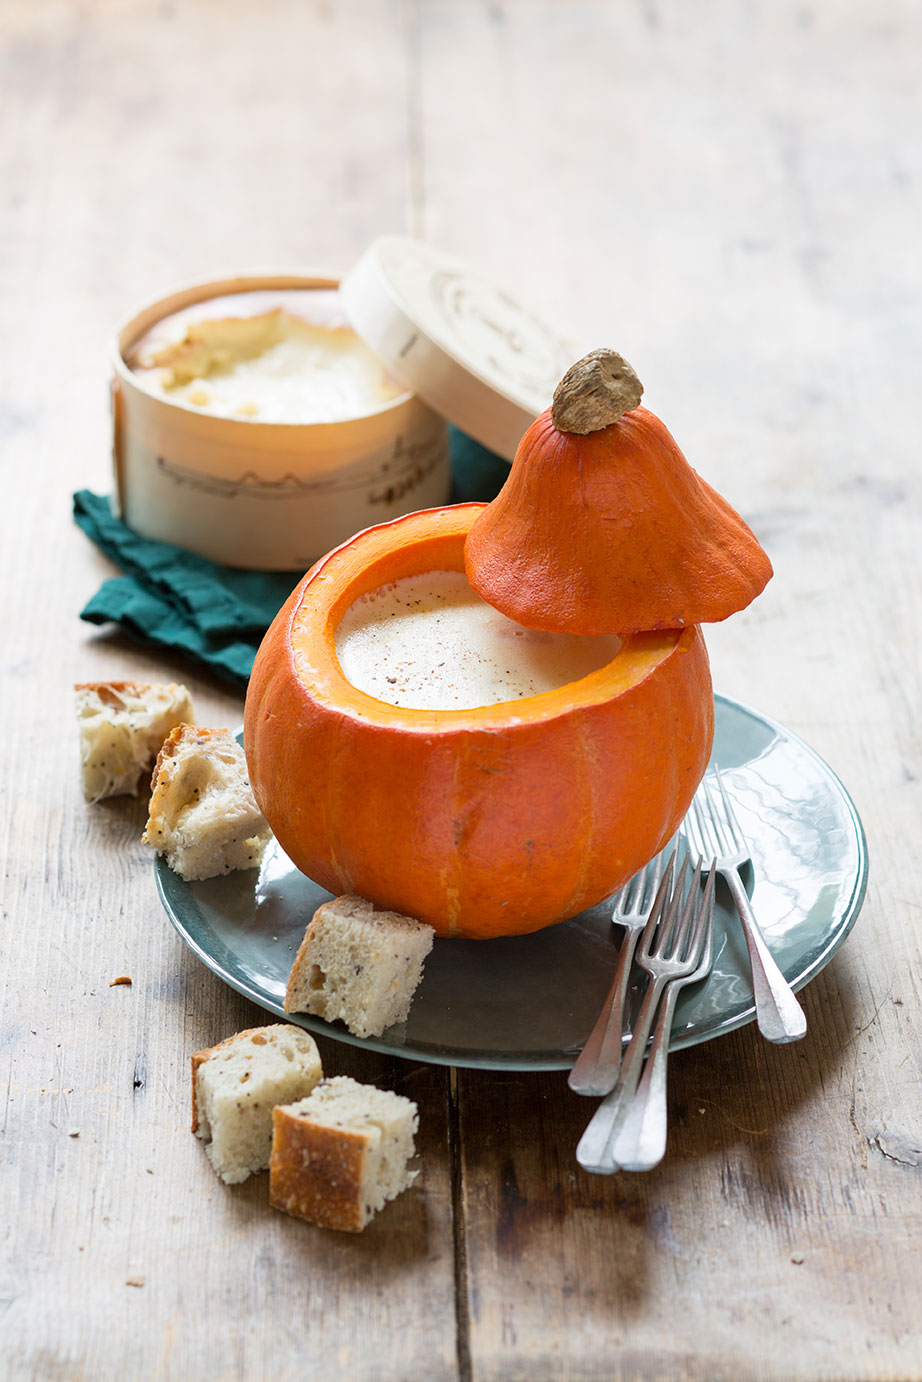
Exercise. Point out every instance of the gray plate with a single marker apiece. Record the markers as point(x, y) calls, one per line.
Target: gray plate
point(528, 1002)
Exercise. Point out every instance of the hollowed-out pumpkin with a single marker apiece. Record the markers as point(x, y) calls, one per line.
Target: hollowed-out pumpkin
point(481, 822)
point(503, 819)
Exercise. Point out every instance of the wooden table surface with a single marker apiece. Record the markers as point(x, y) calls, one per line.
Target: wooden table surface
point(730, 194)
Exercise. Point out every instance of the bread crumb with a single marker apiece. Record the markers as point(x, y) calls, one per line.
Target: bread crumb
point(122, 979)
point(136, 1279)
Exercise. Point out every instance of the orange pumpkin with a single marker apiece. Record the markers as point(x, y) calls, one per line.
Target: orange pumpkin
point(603, 526)
point(483, 822)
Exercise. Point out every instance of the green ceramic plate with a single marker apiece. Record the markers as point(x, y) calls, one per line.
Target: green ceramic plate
point(528, 1002)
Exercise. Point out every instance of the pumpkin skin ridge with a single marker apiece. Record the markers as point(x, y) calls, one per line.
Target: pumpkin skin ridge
point(337, 876)
point(586, 747)
point(463, 755)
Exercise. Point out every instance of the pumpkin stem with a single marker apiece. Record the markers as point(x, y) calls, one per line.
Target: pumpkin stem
point(595, 392)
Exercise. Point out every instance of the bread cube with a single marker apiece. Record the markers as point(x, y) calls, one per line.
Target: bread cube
point(236, 1085)
point(358, 965)
point(342, 1153)
point(122, 726)
point(203, 816)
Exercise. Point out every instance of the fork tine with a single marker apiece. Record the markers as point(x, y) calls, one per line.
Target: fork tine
point(627, 898)
point(690, 829)
point(619, 901)
point(725, 815)
point(711, 818)
point(665, 885)
point(652, 877)
point(661, 900)
point(707, 917)
point(636, 890)
point(717, 837)
point(702, 942)
point(680, 946)
point(733, 825)
point(699, 835)
point(666, 908)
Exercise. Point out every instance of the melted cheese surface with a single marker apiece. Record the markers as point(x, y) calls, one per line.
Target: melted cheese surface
point(288, 356)
point(431, 643)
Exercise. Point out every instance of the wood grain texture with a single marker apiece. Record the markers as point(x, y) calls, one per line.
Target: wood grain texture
point(748, 188)
point(146, 145)
point(727, 193)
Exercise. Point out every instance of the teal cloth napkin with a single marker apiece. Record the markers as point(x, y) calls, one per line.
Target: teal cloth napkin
point(170, 598)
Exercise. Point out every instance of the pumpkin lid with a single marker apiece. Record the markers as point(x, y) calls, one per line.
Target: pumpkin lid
point(604, 527)
point(464, 346)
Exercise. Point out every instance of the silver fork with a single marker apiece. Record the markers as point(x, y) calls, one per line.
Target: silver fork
point(711, 828)
point(670, 948)
point(596, 1069)
point(640, 1143)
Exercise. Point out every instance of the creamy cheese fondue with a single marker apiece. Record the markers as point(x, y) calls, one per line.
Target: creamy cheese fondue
point(288, 356)
point(431, 643)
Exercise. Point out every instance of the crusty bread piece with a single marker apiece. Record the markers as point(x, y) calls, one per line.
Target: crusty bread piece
point(358, 965)
point(340, 1154)
point(203, 815)
point(122, 726)
point(236, 1085)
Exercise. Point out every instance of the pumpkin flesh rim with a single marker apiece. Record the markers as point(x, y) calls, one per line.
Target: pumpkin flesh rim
point(432, 540)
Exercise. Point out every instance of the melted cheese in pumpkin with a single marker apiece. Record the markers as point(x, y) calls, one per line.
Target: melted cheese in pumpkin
point(431, 643)
point(288, 356)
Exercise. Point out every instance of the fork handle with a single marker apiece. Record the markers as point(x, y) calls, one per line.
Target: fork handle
point(640, 1142)
point(594, 1149)
point(596, 1069)
point(778, 1013)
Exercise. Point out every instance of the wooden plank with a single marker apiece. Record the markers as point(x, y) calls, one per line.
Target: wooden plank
point(777, 1239)
point(726, 196)
point(147, 145)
